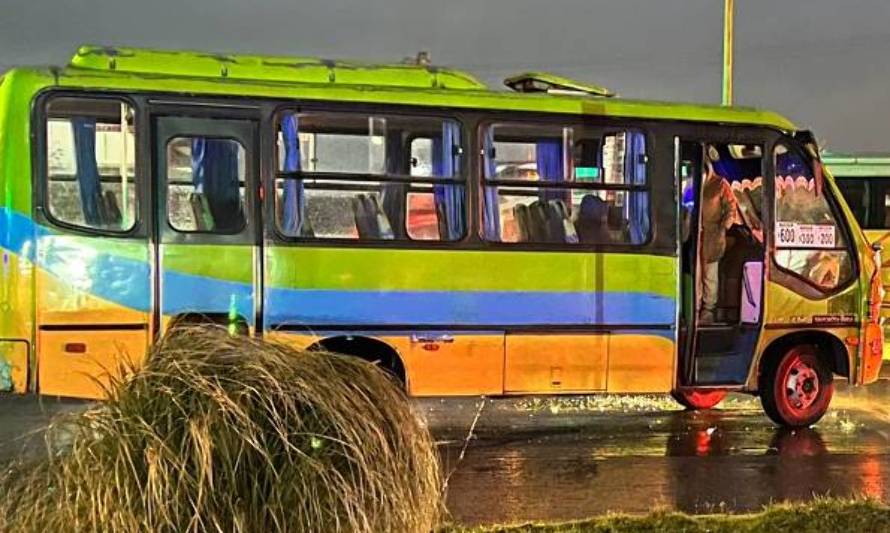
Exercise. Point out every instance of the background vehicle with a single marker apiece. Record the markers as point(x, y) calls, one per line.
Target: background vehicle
point(292, 198)
point(864, 181)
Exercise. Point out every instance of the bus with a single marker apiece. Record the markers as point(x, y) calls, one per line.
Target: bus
point(864, 182)
point(549, 238)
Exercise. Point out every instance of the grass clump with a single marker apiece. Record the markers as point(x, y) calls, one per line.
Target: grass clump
point(228, 433)
point(821, 515)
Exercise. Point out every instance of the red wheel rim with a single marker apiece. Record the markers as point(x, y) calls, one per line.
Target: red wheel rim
point(801, 385)
point(802, 394)
point(701, 399)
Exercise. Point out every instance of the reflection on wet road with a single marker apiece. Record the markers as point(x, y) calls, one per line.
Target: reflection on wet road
point(573, 458)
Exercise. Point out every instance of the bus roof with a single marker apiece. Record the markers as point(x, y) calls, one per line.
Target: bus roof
point(117, 68)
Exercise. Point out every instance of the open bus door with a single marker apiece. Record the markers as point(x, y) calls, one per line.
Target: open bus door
point(722, 265)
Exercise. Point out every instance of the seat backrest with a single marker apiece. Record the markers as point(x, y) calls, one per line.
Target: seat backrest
point(112, 211)
point(363, 225)
point(538, 222)
point(306, 229)
point(201, 212)
point(570, 234)
point(556, 230)
point(618, 225)
point(591, 223)
point(520, 214)
point(384, 228)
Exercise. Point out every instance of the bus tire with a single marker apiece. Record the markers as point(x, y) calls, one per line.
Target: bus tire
point(698, 399)
point(796, 388)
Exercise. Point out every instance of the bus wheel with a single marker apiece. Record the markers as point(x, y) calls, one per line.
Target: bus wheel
point(795, 390)
point(698, 399)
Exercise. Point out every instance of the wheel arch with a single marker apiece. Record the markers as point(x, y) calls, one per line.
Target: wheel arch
point(830, 348)
point(239, 323)
point(368, 348)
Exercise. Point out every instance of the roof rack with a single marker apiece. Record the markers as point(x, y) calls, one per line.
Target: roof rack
point(269, 68)
point(544, 82)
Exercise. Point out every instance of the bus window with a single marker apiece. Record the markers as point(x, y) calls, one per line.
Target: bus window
point(360, 177)
point(422, 223)
point(809, 241)
point(869, 199)
point(90, 163)
point(205, 185)
point(570, 185)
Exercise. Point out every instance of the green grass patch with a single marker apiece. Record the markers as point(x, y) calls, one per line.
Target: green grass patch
point(845, 516)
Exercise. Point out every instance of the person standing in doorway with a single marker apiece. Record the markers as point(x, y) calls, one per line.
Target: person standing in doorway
point(719, 211)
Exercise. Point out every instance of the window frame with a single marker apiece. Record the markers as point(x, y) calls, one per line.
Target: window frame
point(811, 288)
point(40, 159)
point(533, 119)
point(335, 180)
point(245, 184)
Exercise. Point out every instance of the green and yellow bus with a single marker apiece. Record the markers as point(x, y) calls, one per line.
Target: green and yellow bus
point(542, 240)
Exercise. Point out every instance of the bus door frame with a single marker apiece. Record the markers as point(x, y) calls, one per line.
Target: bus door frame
point(689, 343)
point(243, 122)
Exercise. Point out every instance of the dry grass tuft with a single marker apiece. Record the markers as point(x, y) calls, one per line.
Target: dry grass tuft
point(222, 433)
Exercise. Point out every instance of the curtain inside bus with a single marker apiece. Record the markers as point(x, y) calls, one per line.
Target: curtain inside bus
point(215, 175)
point(635, 167)
point(294, 198)
point(395, 193)
point(446, 164)
point(84, 129)
point(550, 166)
point(492, 219)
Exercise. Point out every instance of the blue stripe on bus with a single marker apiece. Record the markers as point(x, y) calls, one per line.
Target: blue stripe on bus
point(121, 280)
point(17, 233)
point(482, 308)
point(124, 281)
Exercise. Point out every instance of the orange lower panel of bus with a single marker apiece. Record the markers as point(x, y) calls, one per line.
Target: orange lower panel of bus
point(80, 364)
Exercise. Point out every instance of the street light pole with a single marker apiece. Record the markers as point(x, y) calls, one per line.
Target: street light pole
point(728, 38)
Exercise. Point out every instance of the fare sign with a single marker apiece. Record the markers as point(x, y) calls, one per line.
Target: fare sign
point(795, 235)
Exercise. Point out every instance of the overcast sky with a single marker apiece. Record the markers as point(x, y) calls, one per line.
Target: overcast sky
point(823, 63)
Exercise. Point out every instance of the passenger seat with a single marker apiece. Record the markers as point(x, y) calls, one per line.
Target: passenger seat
point(384, 228)
point(112, 211)
point(591, 223)
point(363, 223)
point(201, 212)
point(537, 216)
point(520, 214)
point(561, 213)
point(370, 219)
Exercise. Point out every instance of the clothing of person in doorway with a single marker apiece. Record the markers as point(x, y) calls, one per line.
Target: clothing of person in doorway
point(719, 212)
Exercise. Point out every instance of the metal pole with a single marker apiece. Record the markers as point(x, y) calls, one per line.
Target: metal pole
point(728, 38)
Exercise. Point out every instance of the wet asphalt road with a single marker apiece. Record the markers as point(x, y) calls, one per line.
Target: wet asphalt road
point(575, 457)
point(570, 458)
